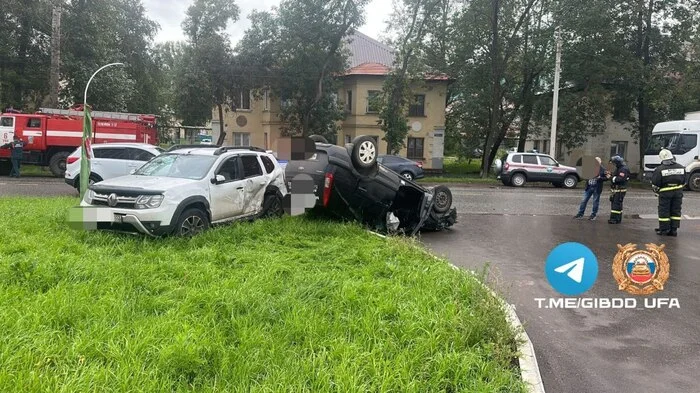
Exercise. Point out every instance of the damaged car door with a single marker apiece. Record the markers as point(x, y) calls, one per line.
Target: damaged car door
point(227, 191)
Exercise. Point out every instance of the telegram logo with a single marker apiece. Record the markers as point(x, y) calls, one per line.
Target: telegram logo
point(571, 268)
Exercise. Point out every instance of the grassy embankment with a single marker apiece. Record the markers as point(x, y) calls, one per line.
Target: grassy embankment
point(278, 305)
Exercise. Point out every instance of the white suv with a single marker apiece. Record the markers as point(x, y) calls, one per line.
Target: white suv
point(111, 160)
point(184, 191)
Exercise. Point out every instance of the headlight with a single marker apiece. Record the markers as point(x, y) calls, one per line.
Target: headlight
point(148, 201)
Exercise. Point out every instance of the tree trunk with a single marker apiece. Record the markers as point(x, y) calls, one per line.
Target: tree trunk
point(222, 133)
point(495, 89)
point(525, 126)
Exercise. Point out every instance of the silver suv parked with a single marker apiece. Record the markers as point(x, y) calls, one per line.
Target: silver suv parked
point(516, 169)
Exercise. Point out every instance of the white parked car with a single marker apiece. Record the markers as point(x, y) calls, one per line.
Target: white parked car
point(184, 191)
point(111, 160)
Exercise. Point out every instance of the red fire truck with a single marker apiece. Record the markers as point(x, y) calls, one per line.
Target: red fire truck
point(53, 134)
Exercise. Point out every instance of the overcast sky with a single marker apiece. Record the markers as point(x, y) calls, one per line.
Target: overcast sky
point(170, 13)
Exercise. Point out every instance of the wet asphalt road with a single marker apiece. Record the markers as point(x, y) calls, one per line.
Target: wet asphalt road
point(512, 231)
point(35, 186)
point(584, 350)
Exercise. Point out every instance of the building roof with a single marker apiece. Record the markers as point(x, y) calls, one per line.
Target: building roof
point(364, 49)
point(370, 57)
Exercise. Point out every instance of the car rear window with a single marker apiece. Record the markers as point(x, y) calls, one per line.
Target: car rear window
point(251, 166)
point(517, 159)
point(267, 162)
point(530, 160)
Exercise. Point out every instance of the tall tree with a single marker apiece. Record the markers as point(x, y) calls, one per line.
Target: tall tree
point(397, 86)
point(306, 57)
point(204, 76)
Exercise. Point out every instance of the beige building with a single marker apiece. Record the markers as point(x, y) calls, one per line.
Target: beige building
point(616, 140)
point(256, 121)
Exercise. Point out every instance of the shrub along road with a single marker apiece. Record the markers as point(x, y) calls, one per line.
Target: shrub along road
point(274, 305)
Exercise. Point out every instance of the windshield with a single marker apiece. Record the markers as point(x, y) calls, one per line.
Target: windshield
point(178, 165)
point(662, 141)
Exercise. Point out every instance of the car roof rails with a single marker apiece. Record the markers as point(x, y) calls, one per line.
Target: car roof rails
point(178, 147)
point(225, 149)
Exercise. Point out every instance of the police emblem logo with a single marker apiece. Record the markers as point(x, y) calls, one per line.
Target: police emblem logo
point(641, 272)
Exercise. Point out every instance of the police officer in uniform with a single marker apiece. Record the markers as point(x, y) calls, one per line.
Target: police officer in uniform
point(17, 146)
point(618, 180)
point(668, 181)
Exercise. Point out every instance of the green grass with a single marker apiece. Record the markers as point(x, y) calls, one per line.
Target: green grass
point(454, 166)
point(277, 305)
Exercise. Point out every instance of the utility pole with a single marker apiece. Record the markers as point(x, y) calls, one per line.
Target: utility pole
point(55, 55)
point(555, 101)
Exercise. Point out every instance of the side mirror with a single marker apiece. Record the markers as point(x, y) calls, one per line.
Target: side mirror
point(218, 179)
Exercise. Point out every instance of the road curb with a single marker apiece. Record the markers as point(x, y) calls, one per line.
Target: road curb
point(527, 361)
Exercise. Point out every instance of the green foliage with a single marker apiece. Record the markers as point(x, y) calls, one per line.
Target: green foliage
point(299, 48)
point(24, 59)
point(392, 116)
point(322, 307)
point(98, 32)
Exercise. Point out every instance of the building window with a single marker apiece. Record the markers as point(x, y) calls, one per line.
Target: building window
point(241, 139)
point(415, 147)
point(348, 102)
point(618, 148)
point(241, 99)
point(266, 100)
point(374, 101)
point(417, 108)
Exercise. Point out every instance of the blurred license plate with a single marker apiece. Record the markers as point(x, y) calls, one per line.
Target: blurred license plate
point(118, 218)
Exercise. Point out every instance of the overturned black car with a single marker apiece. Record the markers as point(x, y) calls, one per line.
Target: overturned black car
point(348, 182)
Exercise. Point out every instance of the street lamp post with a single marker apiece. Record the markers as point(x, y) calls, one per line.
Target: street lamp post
point(91, 78)
point(85, 145)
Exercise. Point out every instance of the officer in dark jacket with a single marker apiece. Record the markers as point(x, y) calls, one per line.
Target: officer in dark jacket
point(618, 180)
point(668, 181)
point(17, 146)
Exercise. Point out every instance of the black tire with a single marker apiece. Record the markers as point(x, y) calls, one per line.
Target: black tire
point(318, 139)
point(570, 181)
point(5, 168)
point(364, 152)
point(94, 178)
point(407, 175)
point(57, 163)
point(518, 180)
point(694, 182)
point(272, 206)
point(443, 199)
point(505, 183)
point(191, 223)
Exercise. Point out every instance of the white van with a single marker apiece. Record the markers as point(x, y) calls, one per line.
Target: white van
point(681, 138)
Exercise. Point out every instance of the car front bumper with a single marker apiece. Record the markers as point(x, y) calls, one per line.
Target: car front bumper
point(147, 221)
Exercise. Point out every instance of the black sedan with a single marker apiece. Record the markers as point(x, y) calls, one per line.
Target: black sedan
point(348, 182)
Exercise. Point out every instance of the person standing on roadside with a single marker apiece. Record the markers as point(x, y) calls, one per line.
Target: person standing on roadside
point(618, 187)
point(17, 146)
point(594, 187)
point(668, 182)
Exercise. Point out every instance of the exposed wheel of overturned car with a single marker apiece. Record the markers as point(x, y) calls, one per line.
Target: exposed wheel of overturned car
point(364, 152)
point(443, 199)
